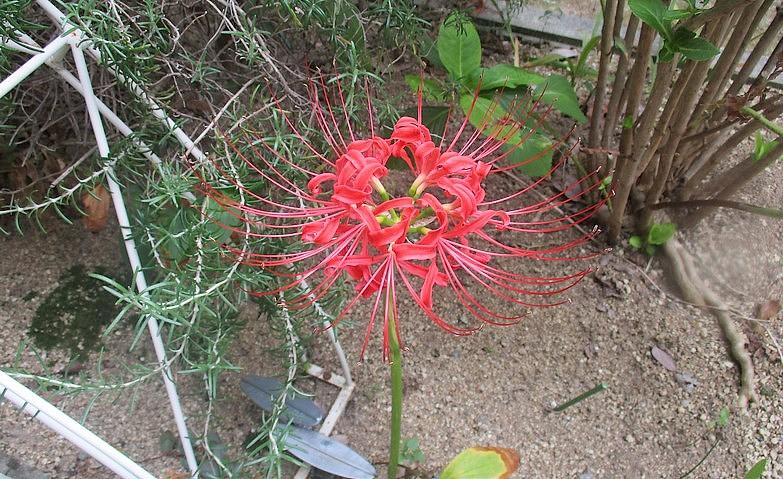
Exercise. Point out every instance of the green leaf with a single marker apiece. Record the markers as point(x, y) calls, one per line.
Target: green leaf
point(411, 451)
point(677, 14)
point(758, 146)
point(221, 220)
point(588, 47)
point(434, 118)
point(551, 59)
point(536, 151)
point(558, 92)
point(430, 89)
point(619, 43)
point(653, 13)
point(627, 122)
point(605, 184)
point(429, 51)
point(660, 233)
point(757, 470)
point(681, 35)
point(459, 46)
point(635, 241)
point(723, 417)
point(482, 463)
point(762, 147)
point(697, 49)
point(487, 116)
point(502, 76)
point(396, 163)
point(495, 122)
point(666, 54)
point(517, 103)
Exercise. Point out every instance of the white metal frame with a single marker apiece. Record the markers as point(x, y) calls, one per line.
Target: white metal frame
point(78, 43)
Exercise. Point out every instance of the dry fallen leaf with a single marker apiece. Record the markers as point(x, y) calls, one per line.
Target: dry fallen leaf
point(768, 310)
point(663, 358)
point(174, 475)
point(96, 208)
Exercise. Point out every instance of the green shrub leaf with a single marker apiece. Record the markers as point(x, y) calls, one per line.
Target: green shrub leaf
point(434, 118)
point(677, 14)
point(762, 147)
point(558, 92)
point(653, 13)
point(493, 121)
point(660, 233)
point(666, 54)
point(502, 76)
point(697, 49)
point(536, 151)
point(430, 89)
point(459, 46)
point(588, 47)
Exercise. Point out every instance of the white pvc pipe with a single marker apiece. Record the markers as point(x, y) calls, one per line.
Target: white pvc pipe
point(65, 426)
point(13, 45)
point(112, 118)
point(9, 83)
point(28, 45)
point(133, 256)
point(58, 17)
point(95, 108)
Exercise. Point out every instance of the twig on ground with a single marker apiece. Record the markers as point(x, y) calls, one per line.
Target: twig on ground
point(704, 458)
point(718, 203)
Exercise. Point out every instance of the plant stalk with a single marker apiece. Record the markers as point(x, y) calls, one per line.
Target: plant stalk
point(395, 356)
point(770, 125)
point(729, 57)
point(762, 46)
point(616, 97)
point(732, 180)
point(607, 40)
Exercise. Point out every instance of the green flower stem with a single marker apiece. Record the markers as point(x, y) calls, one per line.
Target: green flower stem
point(770, 125)
point(396, 386)
point(600, 387)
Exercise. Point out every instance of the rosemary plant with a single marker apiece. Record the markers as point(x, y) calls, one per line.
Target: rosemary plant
point(202, 65)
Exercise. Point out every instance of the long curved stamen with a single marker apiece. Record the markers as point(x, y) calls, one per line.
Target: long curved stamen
point(441, 232)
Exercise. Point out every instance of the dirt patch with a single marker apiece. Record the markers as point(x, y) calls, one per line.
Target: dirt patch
point(496, 387)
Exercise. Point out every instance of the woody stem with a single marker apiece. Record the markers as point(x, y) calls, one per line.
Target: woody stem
point(395, 357)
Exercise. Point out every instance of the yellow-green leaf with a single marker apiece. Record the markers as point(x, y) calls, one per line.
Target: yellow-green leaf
point(459, 46)
point(502, 76)
point(494, 121)
point(557, 91)
point(431, 90)
point(757, 470)
point(482, 463)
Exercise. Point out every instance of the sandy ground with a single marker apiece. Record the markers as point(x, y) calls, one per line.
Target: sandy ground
point(495, 387)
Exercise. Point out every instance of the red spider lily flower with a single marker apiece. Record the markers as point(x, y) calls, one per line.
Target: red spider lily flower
point(441, 234)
